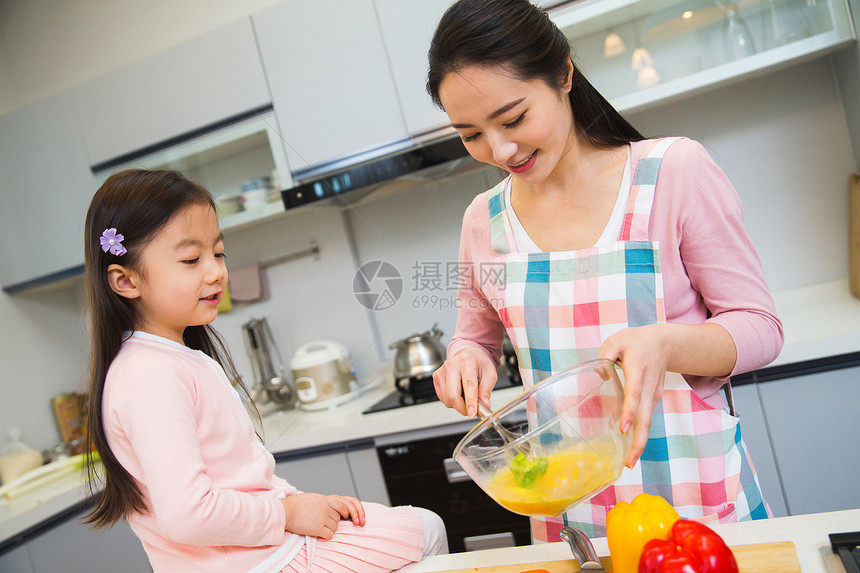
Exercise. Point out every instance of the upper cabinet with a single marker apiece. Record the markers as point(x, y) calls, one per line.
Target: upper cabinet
point(638, 53)
point(193, 85)
point(330, 80)
point(46, 187)
point(641, 53)
point(407, 28)
point(242, 163)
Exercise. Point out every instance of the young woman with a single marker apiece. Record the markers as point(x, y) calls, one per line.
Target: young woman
point(181, 458)
point(614, 246)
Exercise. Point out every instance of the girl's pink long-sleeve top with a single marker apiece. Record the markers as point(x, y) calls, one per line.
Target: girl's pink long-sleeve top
point(177, 426)
point(711, 271)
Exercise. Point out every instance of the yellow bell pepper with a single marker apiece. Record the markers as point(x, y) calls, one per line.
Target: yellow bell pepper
point(629, 526)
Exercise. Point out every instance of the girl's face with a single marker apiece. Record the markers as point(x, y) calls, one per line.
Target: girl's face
point(524, 127)
point(183, 274)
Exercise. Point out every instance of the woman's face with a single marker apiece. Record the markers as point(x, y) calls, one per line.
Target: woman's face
point(524, 127)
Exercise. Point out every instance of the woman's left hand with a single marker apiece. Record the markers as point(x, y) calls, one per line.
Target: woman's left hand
point(645, 353)
point(642, 353)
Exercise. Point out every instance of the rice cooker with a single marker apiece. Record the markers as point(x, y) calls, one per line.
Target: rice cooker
point(322, 370)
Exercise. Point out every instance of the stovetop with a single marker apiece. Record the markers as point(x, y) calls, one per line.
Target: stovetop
point(398, 399)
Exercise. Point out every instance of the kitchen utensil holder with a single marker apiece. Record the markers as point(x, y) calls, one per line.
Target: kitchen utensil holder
point(267, 364)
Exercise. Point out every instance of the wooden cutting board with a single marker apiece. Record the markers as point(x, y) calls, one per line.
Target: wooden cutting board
point(756, 558)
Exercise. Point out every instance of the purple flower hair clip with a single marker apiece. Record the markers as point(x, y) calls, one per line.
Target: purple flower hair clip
point(112, 241)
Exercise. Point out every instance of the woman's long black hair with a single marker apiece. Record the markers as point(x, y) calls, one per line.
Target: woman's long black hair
point(520, 36)
point(137, 203)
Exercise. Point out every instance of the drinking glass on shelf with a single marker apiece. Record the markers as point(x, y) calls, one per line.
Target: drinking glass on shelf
point(739, 41)
point(789, 20)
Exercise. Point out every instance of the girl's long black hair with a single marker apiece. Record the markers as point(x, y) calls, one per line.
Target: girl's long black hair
point(519, 36)
point(137, 203)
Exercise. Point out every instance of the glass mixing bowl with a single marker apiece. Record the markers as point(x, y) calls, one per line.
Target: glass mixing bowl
point(560, 442)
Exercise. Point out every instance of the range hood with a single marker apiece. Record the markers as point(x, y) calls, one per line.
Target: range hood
point(402, 164)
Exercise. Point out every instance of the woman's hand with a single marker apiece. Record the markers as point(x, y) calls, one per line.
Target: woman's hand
point(642, 353)
point(465, 378)
point(645, 353)
point(318, 515)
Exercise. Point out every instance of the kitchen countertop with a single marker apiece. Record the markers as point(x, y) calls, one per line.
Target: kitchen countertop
point(40, 505)
point(298, 430)
point(819, 321)
point(807, 532)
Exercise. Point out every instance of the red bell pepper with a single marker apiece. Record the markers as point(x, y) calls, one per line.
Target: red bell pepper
point(692, 547)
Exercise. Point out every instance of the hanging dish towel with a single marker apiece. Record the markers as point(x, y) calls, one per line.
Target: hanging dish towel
point(248, 284)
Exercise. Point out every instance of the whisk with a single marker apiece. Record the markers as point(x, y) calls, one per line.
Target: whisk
point(526, 460)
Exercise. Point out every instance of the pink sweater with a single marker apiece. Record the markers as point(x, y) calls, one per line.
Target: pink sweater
point(177, 426)
point(711, 271)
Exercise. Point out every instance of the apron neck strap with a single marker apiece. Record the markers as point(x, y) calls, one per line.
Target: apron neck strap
point(500, 227)
point(643, 182)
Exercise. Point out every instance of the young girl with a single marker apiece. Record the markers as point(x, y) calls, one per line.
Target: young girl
point(613, 246)
point(166, 412)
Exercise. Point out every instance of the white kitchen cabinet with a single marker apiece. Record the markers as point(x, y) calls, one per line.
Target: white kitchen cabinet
point(326, 473)
point(222, 161)
point(683, 47)
point(757, 439)
point(329, 77)
point(76, 548)
point(407, 28)
point(343, 471)
point(210, 78)
point(46, 187)
point(367, 475)
point(814, 428)
point(16, 560)
point(642, 53)
point(846, 70)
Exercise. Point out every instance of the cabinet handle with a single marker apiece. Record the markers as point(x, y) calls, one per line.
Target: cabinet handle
point(454, 471)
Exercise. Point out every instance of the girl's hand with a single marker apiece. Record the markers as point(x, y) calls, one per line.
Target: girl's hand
point(465, 378)
point(318, 515)
point(642, 353)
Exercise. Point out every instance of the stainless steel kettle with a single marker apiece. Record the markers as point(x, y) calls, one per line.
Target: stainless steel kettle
point(418, 355)
point(272, 383)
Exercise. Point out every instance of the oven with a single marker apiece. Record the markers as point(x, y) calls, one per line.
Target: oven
point(418, 470)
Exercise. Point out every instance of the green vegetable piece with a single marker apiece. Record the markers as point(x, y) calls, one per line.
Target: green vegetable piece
point(527, 471)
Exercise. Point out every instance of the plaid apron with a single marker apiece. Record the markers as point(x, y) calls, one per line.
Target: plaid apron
point(559, 307)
